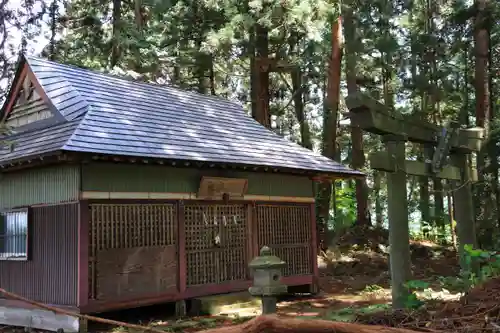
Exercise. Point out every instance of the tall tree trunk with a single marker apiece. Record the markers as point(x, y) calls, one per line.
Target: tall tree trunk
point(426, 150)
point(330, 125)
point(436, 117)
point(254, 77)
point(201, 60)
point(379, 219)
point(53, 29)
point(424, 201)
point(452, 222)
point(439, 216)
point(115, 42)
point(493, 151)
point(212, 75)
point(203, 64)
point(176, 75)
point(484, 192)
point(260, 79)
point(138, 16)
point(298, 95)
point(358, 156)
point(298, 101)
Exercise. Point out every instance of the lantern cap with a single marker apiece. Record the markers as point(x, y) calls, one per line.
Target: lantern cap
point(266, 260)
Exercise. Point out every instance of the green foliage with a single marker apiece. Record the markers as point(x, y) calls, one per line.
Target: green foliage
point(372, 288)
point(411, 300)
point(458, 283)
point(344, 215)
point(488, 262)
point(429, 232)
point(489, 267)
point(482, 266)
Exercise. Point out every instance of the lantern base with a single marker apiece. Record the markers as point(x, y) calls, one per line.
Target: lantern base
point(269, 305)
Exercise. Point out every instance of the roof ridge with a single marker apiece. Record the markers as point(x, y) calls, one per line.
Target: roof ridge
point(80, 122)
point(149, 84)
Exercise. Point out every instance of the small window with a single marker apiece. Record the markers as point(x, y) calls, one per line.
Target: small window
point(14, 235)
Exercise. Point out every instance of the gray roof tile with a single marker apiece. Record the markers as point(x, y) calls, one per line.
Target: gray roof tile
point(38, 142)
point(110, 115)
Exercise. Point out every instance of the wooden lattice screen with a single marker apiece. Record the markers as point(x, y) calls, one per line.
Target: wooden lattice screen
point(216, 243)
point(286, 229)
point(135, 243)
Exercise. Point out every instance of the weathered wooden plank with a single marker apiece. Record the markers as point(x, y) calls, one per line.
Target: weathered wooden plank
point(134, 272)
point(28, 112)
point(416, 168)
point(359, 102)
point(469, 140)
point(374, 117)
point(381, 161)
point(38, 319)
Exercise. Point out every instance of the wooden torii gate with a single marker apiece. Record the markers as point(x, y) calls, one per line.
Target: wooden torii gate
point(454, 142)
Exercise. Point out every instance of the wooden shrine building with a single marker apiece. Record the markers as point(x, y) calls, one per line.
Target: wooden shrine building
point(118, 194)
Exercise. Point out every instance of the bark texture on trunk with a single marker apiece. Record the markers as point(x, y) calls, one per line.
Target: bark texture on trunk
point(358, 156)
point(484, 194)
point(330, 128)
point(115, 46)
point(261, 77)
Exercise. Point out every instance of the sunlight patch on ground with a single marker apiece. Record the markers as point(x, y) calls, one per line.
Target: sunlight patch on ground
point(443, 294)
point(237, 312)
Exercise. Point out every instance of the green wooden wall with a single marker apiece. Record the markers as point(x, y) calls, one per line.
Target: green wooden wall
point(39, 186)
point(148, 178)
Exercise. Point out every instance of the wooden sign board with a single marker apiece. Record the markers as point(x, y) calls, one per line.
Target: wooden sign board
point(216, 187)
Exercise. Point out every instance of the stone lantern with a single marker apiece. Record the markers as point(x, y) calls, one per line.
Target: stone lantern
point(266, 270)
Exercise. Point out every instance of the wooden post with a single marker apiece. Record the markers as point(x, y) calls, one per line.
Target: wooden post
point(314, 250)
point(250, 235)
point(462, 195)
point(83, 254)
point(181, 250)
point(180, 306)
point(399, 239)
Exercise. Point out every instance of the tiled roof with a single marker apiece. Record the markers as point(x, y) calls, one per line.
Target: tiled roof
point(110, 115)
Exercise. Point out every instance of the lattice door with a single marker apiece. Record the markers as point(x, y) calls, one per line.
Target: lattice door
point(286, 229)
point(132, 249)
point(216, 243)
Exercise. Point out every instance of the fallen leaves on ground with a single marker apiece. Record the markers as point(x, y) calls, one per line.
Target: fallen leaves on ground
point(477, 311)
point(274, 324)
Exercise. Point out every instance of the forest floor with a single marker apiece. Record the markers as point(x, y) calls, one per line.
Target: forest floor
point(354, 287)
